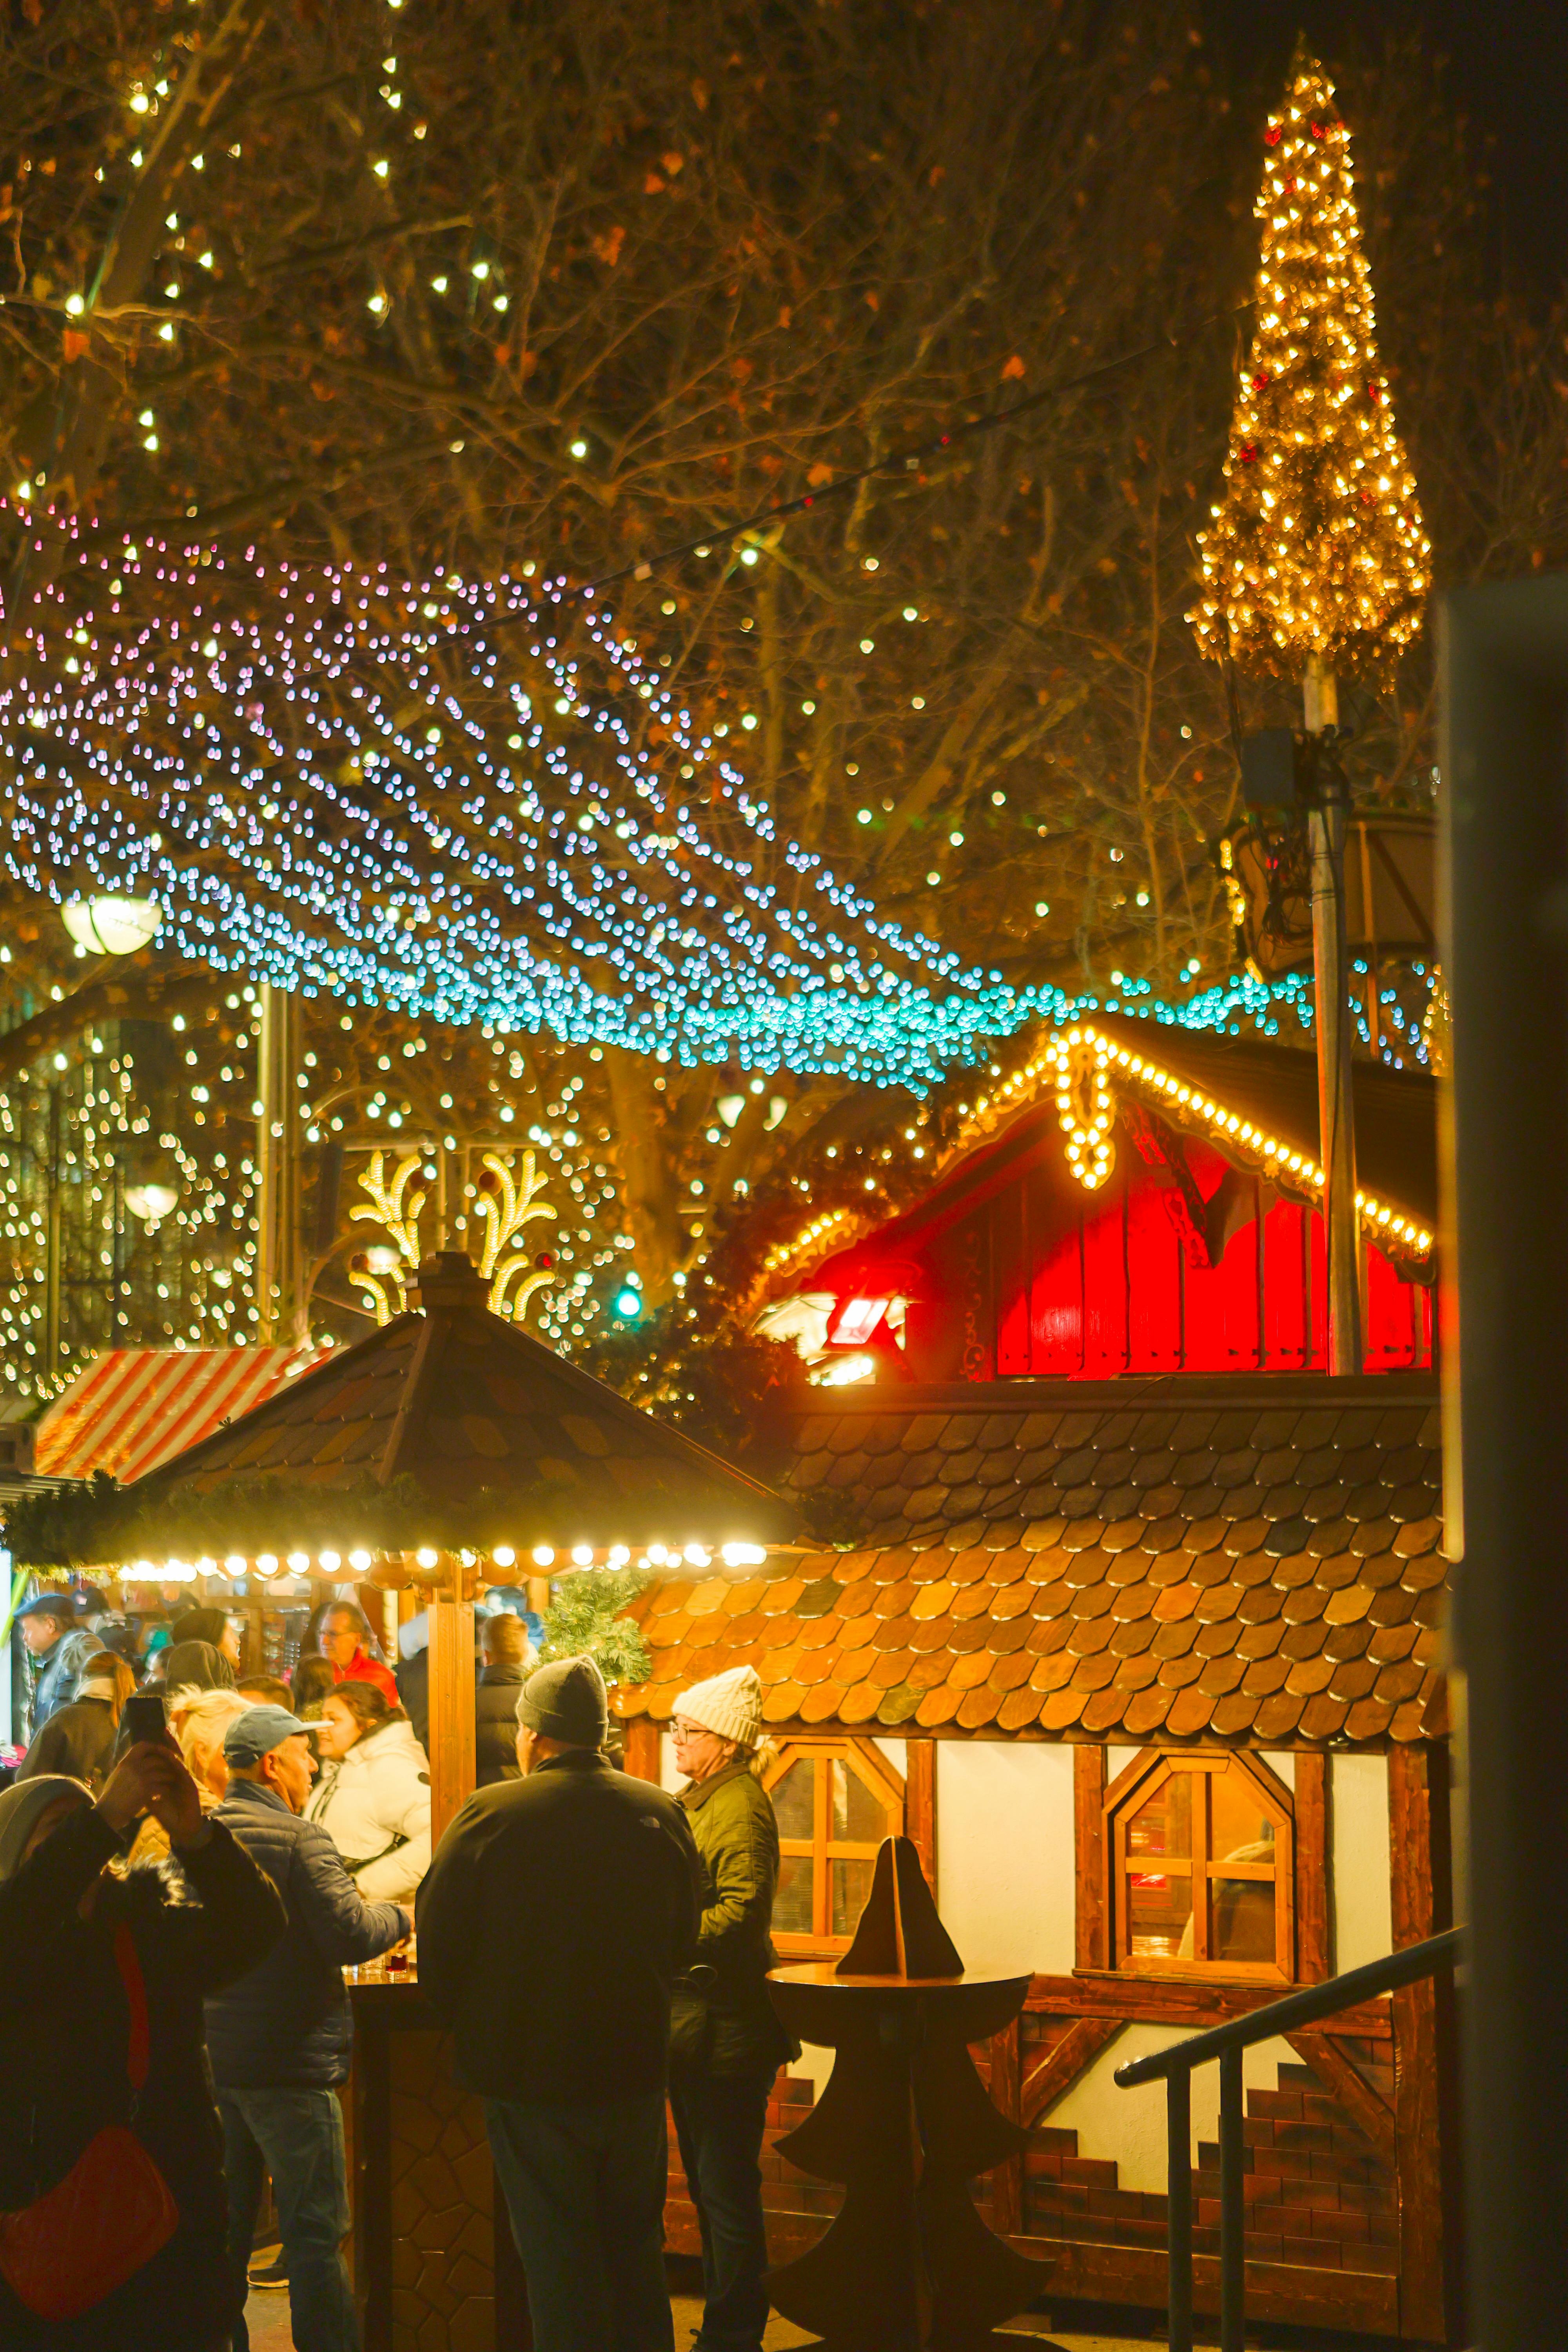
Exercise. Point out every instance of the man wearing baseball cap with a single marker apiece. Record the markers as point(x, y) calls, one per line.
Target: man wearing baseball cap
point(553, 1920)
point(46, 1620)
point(280, 2038)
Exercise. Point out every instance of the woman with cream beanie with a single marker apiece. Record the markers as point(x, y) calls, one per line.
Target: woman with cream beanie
point(726, 2044)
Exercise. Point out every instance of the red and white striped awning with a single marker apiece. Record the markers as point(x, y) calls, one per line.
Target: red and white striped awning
point(134, 1408)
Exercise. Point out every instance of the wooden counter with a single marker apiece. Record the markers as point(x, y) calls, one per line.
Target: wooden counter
point(434, 2266)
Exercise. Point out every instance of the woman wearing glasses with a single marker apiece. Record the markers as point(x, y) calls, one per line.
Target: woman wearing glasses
point(726, 2044)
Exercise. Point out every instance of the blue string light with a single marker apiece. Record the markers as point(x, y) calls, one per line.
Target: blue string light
point(336, 780)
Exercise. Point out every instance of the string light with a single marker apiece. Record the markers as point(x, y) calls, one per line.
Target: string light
point(1318, 546)
point(324, 797)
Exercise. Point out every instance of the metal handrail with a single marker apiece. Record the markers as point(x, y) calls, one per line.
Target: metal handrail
point(1226, 2042)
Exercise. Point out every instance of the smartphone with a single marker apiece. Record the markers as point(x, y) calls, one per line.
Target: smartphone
point(146, 1717)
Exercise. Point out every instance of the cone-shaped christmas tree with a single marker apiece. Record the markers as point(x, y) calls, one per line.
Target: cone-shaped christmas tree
point(1317, 548)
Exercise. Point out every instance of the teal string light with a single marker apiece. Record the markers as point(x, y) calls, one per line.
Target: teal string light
point(350, 783)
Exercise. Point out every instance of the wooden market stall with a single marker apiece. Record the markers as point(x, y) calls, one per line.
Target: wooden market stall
point(446, 1453)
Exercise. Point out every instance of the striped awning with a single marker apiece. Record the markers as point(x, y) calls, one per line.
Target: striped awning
point(134, 1408)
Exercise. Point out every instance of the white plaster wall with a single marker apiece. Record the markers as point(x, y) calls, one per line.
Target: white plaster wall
point(1127, 2127)
point(1005, 1852)
point(1361, 1923)
point(897, 1752)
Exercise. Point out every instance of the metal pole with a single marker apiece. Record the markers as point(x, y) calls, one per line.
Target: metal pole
point(1179, 2206)
point(279, 1303)
point(1232, 2207)
point(1336, 1111)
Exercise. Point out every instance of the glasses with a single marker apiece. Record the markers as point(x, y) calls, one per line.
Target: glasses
point(687, 1732)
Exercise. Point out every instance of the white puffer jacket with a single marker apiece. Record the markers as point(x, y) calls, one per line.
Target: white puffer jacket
point(375, 1805)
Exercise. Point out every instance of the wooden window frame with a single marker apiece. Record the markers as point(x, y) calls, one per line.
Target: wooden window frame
point(1121, 1799)
point(886, 1784)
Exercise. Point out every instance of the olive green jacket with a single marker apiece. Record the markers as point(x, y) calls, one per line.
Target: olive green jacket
point(724, 2021)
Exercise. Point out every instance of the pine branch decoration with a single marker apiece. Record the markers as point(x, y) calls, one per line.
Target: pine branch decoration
point(1318, 545)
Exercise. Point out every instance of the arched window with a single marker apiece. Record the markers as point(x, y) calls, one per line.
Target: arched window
point(836, 1802)
point(1200, 1861)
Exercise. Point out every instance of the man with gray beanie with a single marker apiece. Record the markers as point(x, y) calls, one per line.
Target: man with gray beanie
point(553, 1920)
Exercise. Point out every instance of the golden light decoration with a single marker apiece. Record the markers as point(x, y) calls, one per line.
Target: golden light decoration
point(1086, 1105)
point(1318, 546)
point(504, 1204)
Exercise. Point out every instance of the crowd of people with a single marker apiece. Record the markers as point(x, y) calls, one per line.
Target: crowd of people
point(595, 1944)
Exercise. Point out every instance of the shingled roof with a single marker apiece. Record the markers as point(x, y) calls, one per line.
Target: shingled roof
point(1253, 1562)
point(460, 1400)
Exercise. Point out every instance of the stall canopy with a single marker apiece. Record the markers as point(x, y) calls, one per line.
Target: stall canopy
point(458, 1404)
point(132, 1408)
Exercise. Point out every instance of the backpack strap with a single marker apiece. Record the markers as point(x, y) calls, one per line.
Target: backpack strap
point(139, 2042)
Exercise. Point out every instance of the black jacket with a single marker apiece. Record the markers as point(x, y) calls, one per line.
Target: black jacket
point(197, 1923)
point(77, 1740)
point(55, 1681)
point(495, 1726)
point(551, 1921)
point(288, 2025)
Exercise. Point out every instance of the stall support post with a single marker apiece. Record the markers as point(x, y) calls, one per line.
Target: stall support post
point(452, 1677)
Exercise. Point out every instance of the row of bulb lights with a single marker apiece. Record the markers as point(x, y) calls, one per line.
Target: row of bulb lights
point(545, 1558)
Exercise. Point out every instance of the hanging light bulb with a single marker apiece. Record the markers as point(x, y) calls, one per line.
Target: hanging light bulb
point(111, 925)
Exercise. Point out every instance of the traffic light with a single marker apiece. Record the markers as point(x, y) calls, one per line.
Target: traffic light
point(627, 1303)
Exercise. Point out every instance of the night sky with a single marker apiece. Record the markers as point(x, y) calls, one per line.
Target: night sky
point(1509, 75)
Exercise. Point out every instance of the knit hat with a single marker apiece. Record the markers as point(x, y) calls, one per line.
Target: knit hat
point(257, 1732)
point(568, 1701)
point(21, 1806)
point(730, 1704)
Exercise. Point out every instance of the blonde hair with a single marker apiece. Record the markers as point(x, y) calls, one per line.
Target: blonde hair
point(203, 1714)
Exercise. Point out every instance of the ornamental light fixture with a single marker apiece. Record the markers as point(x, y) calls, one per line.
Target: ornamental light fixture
point(111, 924)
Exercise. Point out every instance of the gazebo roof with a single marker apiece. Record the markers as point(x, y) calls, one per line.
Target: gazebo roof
point(465, 1405)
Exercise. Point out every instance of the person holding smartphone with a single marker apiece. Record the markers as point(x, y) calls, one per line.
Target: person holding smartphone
point(135, 1952)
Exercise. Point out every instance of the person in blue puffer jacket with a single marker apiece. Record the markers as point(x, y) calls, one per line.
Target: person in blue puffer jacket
point(280, 2038)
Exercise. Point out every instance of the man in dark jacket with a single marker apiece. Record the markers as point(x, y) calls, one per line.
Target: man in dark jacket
point(553, 1920)
point(507, 1656)
point(46, 1621)
point(279, 2039)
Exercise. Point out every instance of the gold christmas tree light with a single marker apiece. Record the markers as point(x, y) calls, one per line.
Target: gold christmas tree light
point(1317, 555)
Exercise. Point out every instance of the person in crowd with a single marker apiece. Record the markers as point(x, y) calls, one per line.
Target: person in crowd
point(373, 1795)
point(314, 1678)
point(414, 1673)
point(266, 1690)
point(208, 1625)
point(78, 1740)
point(190, 1666)
point(46, 1621)
point(345, 1637)
point(281, 2037)
point(114, 1947)
point(199, 1720)
point(726, 2042)
point(508, 1658)
point(553, 1921)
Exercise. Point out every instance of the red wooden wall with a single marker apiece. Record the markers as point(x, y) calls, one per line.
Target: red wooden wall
point(1047, 1279)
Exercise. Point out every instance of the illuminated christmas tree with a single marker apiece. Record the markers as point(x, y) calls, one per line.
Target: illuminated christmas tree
point(1317, 548)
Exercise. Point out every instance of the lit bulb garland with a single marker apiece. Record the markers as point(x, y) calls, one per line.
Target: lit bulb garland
point(1318, 546)
point(323, 798)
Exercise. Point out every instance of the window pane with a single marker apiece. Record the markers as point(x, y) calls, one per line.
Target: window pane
point(1160, 1914)
point(792, 1904)
point(858, 1818)
point(1244, 1913)
point(1239, 1821)
point(1163, 1823)
point(851, 1885)
point(791, 1798)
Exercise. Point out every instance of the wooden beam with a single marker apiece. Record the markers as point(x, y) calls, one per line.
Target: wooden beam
point(1048, 2078)
point(452, 1679)
point(1371, 2115)
point(1186, 2001)
point(1089, 1857)
point(1425, 2090)
point(919, 1803)
point(1311, 1810)
point(1007, 2179)
point(642, 1748)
